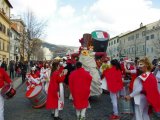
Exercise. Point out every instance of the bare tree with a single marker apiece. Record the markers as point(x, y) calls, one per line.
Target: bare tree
point(35, 31)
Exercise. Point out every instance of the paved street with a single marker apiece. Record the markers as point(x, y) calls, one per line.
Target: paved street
point(19, 108)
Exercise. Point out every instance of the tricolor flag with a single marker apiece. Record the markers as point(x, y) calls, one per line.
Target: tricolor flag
point(100, 34)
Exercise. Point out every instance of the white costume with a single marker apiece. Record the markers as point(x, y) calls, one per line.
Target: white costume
point(141, 104)
point(32, 81)
point(45, 76)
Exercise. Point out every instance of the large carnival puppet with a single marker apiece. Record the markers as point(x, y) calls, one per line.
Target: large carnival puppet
point(93, 48)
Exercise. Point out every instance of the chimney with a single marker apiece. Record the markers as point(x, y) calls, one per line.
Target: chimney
point(141, 25)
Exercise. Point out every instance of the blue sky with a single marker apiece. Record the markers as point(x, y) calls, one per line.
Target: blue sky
point(156, 3)
point(68, 20)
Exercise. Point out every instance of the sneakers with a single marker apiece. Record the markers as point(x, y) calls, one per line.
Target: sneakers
point(78, 117)
point(52, 114)
point(57, 118)
point(114, 117)
point(82, 118)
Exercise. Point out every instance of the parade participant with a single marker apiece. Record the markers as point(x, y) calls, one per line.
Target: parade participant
point(130, 68)
point(157, 74)
point(4, 78)
point(69, 67)
point(33, 79)
point(114, 83)
point(53, 97)
point(45, 76)
point(145, 91)
point(80, 83)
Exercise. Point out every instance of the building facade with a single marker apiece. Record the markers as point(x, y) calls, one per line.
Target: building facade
point(132, 44)
point(113, 48)
point(14, 45)
point(19, 26)
point(5, 7)
point(144, 41)
point(153, 40)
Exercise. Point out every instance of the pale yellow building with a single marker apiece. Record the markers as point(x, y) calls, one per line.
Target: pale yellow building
point(5, 7)
point(19, 26)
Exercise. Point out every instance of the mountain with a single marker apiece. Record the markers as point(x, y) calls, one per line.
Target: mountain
point(59, 50)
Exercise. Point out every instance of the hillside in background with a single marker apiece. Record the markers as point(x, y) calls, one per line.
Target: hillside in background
point(58, 50)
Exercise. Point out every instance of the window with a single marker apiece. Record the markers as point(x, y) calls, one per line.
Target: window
point(152, 36)
point(132, 49)
point(3, 29)
point(8, 32)
point(114, 41)
point(128, 50)
point(137, 35)
point(132, 37)
point(143, 47)
point(0, 26)
point(0, 45)
point(143, 33)
point(147, 37)
point(129, 38)
point(117, 40)
point(3, 45)
point(137, 48)
point(152, 50)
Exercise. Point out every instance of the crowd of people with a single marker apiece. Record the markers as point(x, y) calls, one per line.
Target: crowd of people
point(143, 87)
point(144, 84)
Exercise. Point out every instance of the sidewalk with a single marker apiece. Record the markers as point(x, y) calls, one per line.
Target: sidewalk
point(17, 81)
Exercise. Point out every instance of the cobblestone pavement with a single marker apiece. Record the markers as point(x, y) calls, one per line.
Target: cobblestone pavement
point(19, 108)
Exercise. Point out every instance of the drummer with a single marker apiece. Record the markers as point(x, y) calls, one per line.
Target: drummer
point(4, 78)
point(33, 79)
point(145, 91)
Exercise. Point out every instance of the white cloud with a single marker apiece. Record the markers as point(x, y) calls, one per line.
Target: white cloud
point(66, 11)
point(67, 24)
point(40, 7)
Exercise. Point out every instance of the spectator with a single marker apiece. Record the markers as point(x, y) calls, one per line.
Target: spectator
point(11, 69)
point(4, 65)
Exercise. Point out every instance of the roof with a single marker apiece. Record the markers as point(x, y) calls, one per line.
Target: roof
point(8, 3)
point(132, 31)
point(19, 20)
point(14, 30)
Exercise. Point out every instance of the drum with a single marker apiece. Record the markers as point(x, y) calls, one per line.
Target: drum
point(125, 107)
point(8, 92)
point(37, 96)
